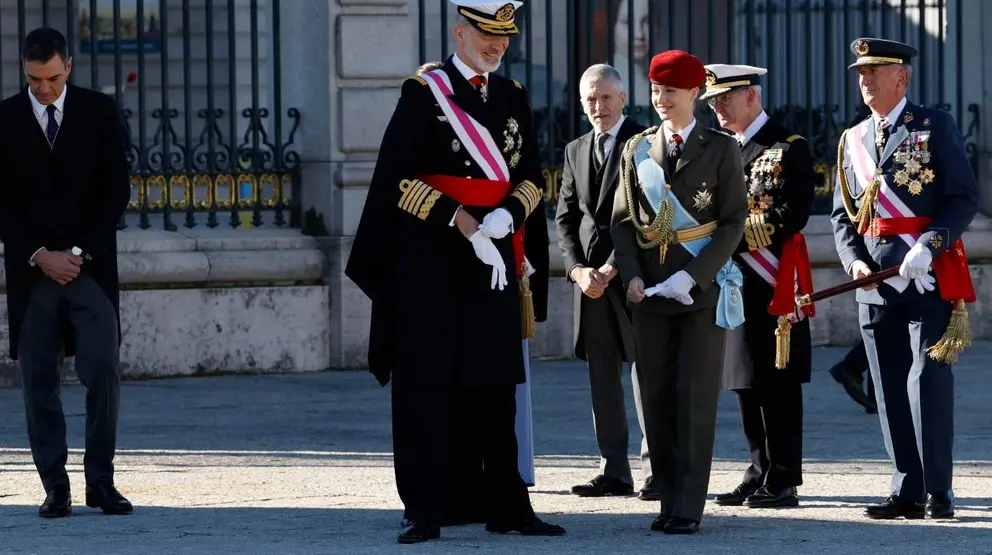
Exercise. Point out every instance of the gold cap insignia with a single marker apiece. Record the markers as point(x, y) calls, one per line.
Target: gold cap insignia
point(505, 13)
point(861, 47)
point(710, 78)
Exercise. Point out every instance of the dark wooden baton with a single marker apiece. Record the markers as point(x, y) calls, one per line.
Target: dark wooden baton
point(877, 277)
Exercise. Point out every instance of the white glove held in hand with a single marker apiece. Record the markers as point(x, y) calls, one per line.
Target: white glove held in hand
point(497, 224)
point(675, 287)
point(487, 252)
point(925, 283)
point(917, 262)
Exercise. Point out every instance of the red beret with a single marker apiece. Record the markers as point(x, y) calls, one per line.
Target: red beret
point(676, 68)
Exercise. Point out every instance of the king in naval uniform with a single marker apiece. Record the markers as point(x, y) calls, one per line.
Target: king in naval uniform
point(452, 298)
point(769, 357)
point(904, 195)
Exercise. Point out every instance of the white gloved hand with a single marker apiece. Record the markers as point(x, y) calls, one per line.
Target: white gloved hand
point(925, 283)
point(916, 263)
point(665, 290)
point(497, 224)
point(680, 283)
point(487, 252)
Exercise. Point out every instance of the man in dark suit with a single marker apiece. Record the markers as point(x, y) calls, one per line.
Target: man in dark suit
point(64, 181)
point(770, 356)
point(602, 332)
point(678, 217)
point(904, 196)
point(442, 249)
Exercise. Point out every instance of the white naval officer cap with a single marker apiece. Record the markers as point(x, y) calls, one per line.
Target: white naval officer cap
point(723, 78)
point(492, 18)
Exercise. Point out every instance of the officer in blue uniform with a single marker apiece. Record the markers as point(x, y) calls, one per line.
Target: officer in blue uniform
point(905, 192)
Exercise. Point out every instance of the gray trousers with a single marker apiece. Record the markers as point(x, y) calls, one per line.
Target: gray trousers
point(680, 361)
point(606, 330)
point(40, 347)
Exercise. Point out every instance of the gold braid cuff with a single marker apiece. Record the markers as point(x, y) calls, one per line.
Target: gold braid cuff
point(418, 198)
point(529, 195)
point(862, 216)
point(757, 232)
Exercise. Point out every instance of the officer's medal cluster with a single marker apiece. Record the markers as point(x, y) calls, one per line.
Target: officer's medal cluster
point(765, 175)
point(911, 159)
point(512, 140)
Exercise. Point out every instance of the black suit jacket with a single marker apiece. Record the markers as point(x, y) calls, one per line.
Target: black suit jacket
point(71, 194)
point(585, 206)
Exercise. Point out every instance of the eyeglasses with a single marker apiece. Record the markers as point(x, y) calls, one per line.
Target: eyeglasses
point(723, 98)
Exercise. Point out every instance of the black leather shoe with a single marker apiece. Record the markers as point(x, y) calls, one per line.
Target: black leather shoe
point(659, 522)
point(604, 486)
point(772, 498)
point(531, 526)
point(107, 498)
point(58, 503)
point(736, 497)
point(895, 508)
point(649, 492)
point(853, 384)
point(676, 525)
point(416, 532)
point(940, 505)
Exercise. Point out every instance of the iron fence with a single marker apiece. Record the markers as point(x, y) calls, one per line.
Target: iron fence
point(208, 139)
point(803, 43)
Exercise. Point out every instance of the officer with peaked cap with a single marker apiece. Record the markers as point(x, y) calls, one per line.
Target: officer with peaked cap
point(904, 195)
point(678, 216)
point(452, 249)
point(769, 357)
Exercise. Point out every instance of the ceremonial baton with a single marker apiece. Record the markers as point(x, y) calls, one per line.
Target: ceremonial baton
point(803, 300)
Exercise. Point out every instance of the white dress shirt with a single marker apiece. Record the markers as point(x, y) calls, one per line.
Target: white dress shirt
point(468, 72)
point(611, 137)
point(891, 116)
point(684, 133)
point(752, 129)
point(41, 114)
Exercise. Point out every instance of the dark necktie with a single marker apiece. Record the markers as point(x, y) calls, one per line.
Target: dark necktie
point(674, 151)
point(601, 148)
point(881, 136)
point(53, 127)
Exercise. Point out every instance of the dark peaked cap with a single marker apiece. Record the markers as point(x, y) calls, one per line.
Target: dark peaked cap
point(875, 52)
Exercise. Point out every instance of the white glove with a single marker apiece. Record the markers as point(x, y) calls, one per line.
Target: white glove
point(680, 283)
point(675, 287)
point(917, 262)
point(925, 283)
point(487, 252)
point(497, 224)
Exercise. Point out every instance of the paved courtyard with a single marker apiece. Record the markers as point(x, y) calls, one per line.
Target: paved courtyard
point(293, 464)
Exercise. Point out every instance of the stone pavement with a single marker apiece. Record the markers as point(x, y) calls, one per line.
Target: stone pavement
point(301, 463)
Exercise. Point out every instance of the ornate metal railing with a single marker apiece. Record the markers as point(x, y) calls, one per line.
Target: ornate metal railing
point(803, 43)
point(208, 140)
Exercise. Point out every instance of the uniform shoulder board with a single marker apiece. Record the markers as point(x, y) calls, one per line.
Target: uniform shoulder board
point(794, 137)
point(419, 79)
point(518, 84)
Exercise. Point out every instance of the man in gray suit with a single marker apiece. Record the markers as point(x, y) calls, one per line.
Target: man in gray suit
point(603, 334)
point(678, 217)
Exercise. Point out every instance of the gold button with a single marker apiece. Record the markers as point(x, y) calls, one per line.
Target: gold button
point(667, 186)
point(703, 184)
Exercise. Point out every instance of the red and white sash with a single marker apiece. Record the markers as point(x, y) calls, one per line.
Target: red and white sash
point(889, 204)
point(473, 135)
point(764, 263)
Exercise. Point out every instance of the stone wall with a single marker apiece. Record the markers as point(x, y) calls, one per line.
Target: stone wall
point(214, 301)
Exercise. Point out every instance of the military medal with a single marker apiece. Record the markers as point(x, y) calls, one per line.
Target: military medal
point(702, 200)
point(455, 145)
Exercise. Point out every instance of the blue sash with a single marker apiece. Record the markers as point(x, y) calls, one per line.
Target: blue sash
point(730, 306)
